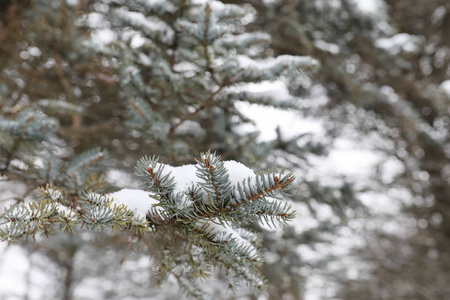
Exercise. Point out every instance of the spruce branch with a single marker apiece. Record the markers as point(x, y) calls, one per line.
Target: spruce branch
point(202, 207)
point(216, 181)
point(85, 160)
point(154, 175)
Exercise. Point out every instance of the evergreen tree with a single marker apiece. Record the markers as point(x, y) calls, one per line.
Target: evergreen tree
point(384, 75)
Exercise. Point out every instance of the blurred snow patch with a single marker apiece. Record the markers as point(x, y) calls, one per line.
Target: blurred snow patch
point(276, 89)
point(148, 24)
point(290, 122)
point(121, 179)
point(328, 47)
point(190, 128)
point(347, 158)
point(390, 93)
point(10, 191)
point(380, 203)
point(438, 16)
point(445, 87)
point(95, 20)
point(390, 169)
point(13, 271)
point(401, 42)
point(371, 7)
point(103, 36)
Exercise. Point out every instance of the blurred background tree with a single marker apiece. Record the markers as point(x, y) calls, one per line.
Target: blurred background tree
point(382, 84)
point(385, 70)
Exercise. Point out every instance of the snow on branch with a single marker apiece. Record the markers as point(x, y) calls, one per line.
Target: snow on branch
point(206, 205)
point(283, 65)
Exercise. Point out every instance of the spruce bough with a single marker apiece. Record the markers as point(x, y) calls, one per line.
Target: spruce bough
point(201, 208)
